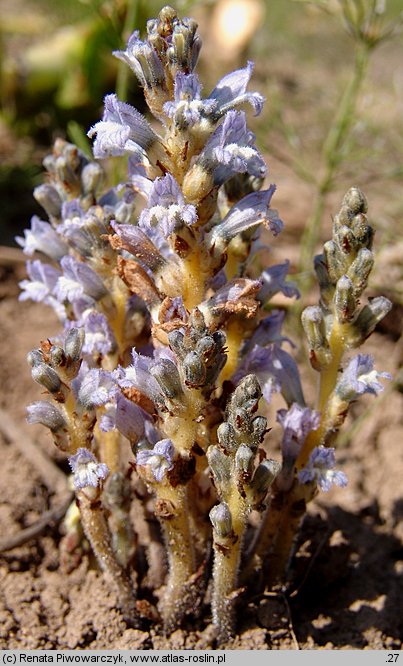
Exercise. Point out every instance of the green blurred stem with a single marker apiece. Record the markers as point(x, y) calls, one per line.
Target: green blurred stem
point(124, 72)
point(332, 156)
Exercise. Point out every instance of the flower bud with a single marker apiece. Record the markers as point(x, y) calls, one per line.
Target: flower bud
point(221, 520)
point(355, 200)
point(344, 300)
point(91, 177)
point(363, 233)
point(315, 330)
point(73, 343)
point(368, 318)
point(220, 465)
point(57, 356)
point(345, 239)
point(244, 458)
point(175, 339)
point(47, 414)
point(35, 357)
point(360, 269)
point(227, 436)
point(335, 261)
point(194, 369)
point(167, 375)
point(49, 198)
point(47, 377)
point(263, 477)
point(259, 427)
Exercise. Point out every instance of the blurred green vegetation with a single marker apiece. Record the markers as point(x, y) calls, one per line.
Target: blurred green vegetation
point(56, 66)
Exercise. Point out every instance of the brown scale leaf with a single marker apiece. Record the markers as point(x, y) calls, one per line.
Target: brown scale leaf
point(138, 281)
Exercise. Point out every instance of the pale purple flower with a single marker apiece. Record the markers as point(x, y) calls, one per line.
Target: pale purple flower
point(276, 371)
point(249, 212)
point(296, 422)
point(274, 281)
point(142, 60)
point(159, 459)
point(138, 243)
point(360, 377)
point(269, 330)
point(42, 237)
point(320, 468)
point(43, 279)
point(94, 387)
point(231, 150)
point(166, 207)
point(99, 337)
point(188, 109)
point(47, 414)
point(138, 375)
point(230, 92)
point(78, 279)
point(40, 288)
point(87, 470)
point(82, 230)
point(122, 129)
point(126, 416)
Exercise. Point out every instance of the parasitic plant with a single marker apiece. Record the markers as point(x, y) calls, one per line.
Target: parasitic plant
point(170, 352)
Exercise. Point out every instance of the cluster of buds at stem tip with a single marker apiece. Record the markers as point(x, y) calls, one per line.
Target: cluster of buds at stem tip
point(57, 369)
point(342, 272)
point(233, 460)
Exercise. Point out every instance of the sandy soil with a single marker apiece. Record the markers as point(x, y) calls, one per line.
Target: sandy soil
point(345, 586)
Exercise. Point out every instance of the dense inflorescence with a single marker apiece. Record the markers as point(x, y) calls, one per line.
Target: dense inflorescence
point(170, 348)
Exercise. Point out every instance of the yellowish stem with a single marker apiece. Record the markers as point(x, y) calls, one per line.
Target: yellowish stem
point(327, 383)
point(193, 280)
point(226, 566)
point(118, 318)
point(180, 551)
point(110, 449)
point(235, 336)
point(97, 532)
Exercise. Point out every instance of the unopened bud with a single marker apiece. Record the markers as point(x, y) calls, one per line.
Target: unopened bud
point(206, 347)
point(315, 330)
point(368, 318)
point(363, 233)
point(49, 198)
point(47, 414)
point(175, 339)
point(194, 369)
point(220, 465)
point(335, 261)
point(46, 377)
point(244, 458)
point(91, 177)
point(35, 357)
point(259, 426)
point(57, 356)
point(167, 375)
point(355, 200)
point(360, 269)
point(221, 520)
point(263, 477)
point(345, 239)
point(73, 343)
point(248, 393)
point(227, 436)
point(345, 302)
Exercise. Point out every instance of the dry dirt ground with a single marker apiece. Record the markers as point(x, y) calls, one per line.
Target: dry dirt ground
point(346, 580)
